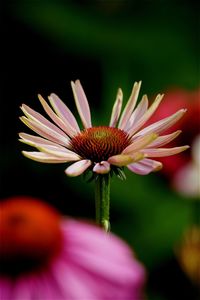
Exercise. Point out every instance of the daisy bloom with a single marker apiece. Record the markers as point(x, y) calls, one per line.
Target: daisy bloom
point(102, 149)
point(44, 256)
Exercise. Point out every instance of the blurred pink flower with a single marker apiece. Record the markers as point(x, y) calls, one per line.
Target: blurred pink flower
point(104, 148)
point(187, 179)
point(46, 257)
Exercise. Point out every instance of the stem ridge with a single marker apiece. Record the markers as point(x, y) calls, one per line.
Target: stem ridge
point(102, 201)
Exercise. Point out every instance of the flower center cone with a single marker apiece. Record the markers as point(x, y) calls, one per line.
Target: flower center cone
point(100, 143)
point(30, 235)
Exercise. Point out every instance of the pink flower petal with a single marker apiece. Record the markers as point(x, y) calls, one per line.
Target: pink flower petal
point(73, 230)
point(33, 140)
point(163, 124)
point(40, 120)
point(78, 168)
point(140, 143)
point(71, 281)
point(61, 122)
point(22, 290)
point(160, 152)
point(44, 286)
point(106, 267)
point(46, 132)
point(187, 180)
point(81, 103)
point(49, 147)
point(62, 153)
point(146, 116)
point(64, 113)
point(130, 105)
point(145, 166)
point(116, 109)
point(84, 249)
point(102, 168)
point(5, 288)
point(98, 286)
point(163, 140)
point(137, 113)
point(45, 158)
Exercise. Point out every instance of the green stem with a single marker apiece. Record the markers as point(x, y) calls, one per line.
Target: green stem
point(102, 201)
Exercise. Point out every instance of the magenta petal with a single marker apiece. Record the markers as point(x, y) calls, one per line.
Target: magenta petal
point(90, 246)
point(104, 262)
point(45, 287)
point(5, 289)
point(71, 281)
point(74, 231)
point(22, 290)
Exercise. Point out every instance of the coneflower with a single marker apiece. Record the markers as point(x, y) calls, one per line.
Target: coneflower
point(44, 256)
point(104, 150)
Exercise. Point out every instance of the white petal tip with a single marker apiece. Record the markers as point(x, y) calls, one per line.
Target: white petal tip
point(158, 168)
point(186, 147)
point(40, 97)
point(119, 92)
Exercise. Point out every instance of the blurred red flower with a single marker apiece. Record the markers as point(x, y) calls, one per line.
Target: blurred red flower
point(189, 124)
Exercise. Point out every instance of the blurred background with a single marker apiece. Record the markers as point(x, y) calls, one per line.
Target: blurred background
point(108, 44)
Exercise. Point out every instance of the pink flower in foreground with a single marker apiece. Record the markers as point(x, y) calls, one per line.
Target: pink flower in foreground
point(125, 142)
point(46, 257)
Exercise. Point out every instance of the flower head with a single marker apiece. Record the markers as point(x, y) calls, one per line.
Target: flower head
point(44, 256)
point(102, 149)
